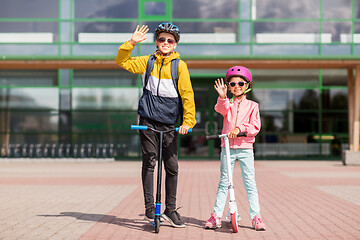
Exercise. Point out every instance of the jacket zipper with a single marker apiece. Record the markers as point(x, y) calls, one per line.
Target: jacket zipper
point(162, 64)
point(237, 113)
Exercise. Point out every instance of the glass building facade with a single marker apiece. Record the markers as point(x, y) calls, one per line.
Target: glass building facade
point(84, 111)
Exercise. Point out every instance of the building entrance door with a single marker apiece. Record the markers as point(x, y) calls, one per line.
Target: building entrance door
point(209, 122)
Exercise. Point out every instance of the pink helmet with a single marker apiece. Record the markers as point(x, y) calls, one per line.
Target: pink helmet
point(239, 71)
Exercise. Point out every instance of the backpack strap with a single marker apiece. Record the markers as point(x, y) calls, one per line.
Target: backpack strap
point(175, 73)
point(149, 68)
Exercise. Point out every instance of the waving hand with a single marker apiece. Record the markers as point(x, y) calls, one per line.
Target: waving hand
point(220, 87)
point(139, 35)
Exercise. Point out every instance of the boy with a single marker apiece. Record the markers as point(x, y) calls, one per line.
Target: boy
point(159, 107)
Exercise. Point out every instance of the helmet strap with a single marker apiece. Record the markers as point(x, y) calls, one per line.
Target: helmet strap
point(245, 92)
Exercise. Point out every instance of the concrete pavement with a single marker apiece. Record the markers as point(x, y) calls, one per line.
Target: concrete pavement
point(103, 200)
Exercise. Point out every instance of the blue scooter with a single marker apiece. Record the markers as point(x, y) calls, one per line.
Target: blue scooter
point(156, 222)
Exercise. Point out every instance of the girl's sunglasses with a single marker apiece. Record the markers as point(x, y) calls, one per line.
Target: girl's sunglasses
point(169, 40)
point(233, 84)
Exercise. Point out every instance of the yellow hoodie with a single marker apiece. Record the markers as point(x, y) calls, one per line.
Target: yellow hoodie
point(164, 87)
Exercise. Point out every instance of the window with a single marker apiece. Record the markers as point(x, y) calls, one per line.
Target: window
point(336, 9)
point(305, 9)
point(155, 8)
point(206, 9)
point(106, 9)
point(29, 9)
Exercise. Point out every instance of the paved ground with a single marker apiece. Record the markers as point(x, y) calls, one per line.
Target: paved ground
point(103, 200)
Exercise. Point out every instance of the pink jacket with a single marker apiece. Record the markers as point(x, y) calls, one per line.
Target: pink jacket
point(243, 114)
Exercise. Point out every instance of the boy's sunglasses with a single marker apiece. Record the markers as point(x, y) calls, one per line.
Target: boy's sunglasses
point(233, 84)
point(169, 40)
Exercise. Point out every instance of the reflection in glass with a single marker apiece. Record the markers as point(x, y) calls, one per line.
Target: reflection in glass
point(336, 49)
point(245, 35)
point(305, 9)
point(306, 99)
point(338, 30)
point(357, 9)
point(15, 78)
point(208, 27)
point(211, 50)
point(285, 27)
point(104, 78)
point(335, 99)
point(201, 97)
point(286, 99)
point(106, 9)
point(33, 121)
point(97, 49)
point(335, 122)
point(336, 9)
point(283, 78)
point(25, 50)
point(29, 9)
point(30, 27)
point(334, 77)
point(205, 9)
point(155, 8)
point(29, 98)
point(103, 27)
point(306, 122)
point(283, 49)
point(245, 9)
point(103, 121)
point(105, 98)
point(30, 140)
point(121, 145)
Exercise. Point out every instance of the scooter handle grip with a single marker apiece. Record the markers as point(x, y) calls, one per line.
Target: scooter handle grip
point(189, 131)
point(242, 134)
point(139, 127)
point(210, 137)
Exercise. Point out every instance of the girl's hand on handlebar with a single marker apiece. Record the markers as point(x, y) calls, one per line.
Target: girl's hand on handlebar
point(234, 133)
point(139, 35)
point(183, 129)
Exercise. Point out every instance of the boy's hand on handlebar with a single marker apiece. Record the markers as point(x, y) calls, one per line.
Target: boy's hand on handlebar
point(139, 35)
point(183, 129)
point(234, 133)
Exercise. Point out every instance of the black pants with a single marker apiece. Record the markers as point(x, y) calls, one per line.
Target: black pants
point(149, 148)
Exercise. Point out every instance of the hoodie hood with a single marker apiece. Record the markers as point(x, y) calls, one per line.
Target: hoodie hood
point(167, 59)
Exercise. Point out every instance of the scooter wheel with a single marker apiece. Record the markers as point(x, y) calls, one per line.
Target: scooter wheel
point(234, 222)
point(157, 225)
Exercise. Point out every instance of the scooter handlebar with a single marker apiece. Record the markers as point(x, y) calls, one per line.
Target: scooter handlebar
point(211, 137)
point(141, 127)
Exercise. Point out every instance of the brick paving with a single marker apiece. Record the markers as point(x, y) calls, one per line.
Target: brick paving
point(103, 200)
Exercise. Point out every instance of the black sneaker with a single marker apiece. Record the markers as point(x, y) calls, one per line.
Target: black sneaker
point(173, 217)
point(150, 214)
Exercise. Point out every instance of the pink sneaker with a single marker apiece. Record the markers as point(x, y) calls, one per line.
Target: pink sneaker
point(213, 222)
point(258, 224)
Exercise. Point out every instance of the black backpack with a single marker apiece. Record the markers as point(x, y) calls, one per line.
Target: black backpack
point(161, 109)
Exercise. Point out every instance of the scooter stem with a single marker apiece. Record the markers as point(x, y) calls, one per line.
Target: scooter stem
point(228, 162)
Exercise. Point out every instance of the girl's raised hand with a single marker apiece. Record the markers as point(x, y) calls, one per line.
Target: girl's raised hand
point(139, 35)
point(220, 87)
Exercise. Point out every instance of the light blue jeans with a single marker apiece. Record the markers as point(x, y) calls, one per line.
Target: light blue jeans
point(246, 160)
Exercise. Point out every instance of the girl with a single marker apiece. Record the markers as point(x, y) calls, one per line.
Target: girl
point(240, 115)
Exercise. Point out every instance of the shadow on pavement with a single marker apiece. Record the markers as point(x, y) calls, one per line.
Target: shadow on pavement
point(137, 224)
